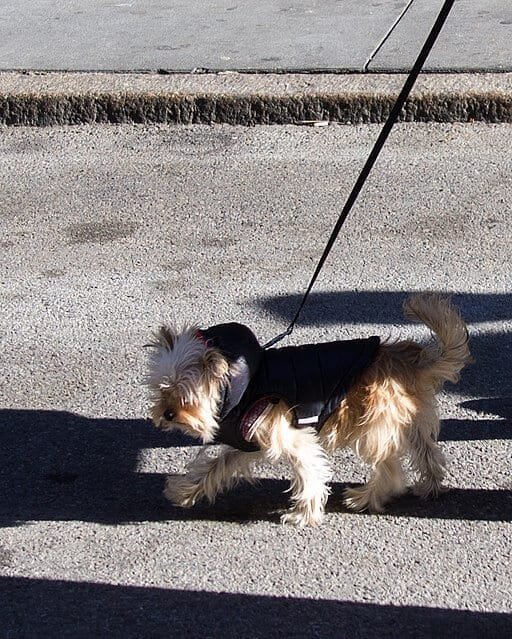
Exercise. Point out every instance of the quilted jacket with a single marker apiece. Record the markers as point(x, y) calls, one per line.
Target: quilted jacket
point(312, 379)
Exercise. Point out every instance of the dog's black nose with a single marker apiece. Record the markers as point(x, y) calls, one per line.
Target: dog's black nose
point(168, 416)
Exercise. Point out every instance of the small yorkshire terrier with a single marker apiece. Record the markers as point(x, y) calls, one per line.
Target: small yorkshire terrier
point(299, 403)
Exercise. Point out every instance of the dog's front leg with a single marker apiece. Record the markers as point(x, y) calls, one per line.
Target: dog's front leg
point(302, 449)
point(309, 487)
point(207, 476)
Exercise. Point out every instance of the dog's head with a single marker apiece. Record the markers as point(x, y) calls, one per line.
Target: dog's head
point(187, 378)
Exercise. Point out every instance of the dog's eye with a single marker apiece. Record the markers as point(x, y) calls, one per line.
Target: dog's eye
point(169, 415)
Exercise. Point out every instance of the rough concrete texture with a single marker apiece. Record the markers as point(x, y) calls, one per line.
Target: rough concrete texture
point(248, 99)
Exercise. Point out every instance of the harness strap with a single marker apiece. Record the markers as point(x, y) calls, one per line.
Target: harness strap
point(377, 147)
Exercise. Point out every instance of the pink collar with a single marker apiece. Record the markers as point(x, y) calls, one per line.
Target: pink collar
point(200, 336)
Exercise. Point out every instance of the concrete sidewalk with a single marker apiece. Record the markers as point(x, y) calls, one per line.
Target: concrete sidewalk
point(148, 61)
point(268, 35)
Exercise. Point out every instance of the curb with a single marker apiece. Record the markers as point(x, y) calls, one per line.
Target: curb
point(48, 99)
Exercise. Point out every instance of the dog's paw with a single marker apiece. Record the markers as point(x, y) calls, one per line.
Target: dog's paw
point(301, 518)
point(360, 499)
point(429, 489)
point(182, 492)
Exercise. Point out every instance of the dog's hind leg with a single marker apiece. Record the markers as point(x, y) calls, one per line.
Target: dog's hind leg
point(207, 476)
point(381, 447)
point(386, 482)
point(384, 410)
point(426, 456)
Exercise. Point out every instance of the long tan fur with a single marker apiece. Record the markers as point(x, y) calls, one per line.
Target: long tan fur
point(392, 411)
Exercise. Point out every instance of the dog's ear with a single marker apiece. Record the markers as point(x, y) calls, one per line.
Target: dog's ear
point(163, 338)
point(166, 337)
point(215, 366)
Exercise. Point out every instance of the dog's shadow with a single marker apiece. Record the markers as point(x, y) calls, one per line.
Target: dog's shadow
point(267, 500)
point(59, 466)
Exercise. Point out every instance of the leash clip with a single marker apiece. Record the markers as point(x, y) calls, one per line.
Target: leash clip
point(278, 338)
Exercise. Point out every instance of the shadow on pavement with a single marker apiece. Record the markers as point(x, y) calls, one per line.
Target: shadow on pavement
point(380, 307)
point(59, 466)
point(33, 608)
point(483, 429)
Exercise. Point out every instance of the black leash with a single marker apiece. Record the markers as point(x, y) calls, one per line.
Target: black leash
point(386, 129)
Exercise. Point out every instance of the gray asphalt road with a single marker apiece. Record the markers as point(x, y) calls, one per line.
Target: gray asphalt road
point(107, 231)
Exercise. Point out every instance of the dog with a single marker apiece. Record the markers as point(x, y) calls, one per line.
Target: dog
point(301, 403)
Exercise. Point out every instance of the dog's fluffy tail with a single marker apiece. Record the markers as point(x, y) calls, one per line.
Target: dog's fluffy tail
point(444, 359)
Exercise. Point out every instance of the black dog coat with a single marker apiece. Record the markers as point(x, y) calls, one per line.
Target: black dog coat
point(312, 379)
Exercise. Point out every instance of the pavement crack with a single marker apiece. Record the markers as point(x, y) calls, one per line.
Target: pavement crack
point(386, 36)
